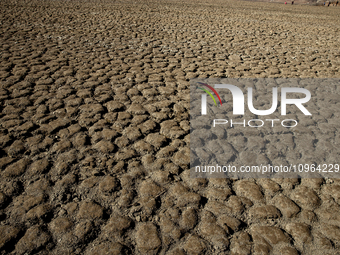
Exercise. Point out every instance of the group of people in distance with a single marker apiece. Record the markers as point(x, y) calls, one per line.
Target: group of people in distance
point(329, 3)
point(324, 3)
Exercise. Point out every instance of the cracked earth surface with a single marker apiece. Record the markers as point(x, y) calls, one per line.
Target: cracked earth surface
point(94, 128)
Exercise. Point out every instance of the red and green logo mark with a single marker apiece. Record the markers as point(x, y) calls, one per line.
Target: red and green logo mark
point(208, 92)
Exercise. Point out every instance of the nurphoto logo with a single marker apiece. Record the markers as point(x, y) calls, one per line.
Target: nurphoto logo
point(264, 128)
point(238, 103)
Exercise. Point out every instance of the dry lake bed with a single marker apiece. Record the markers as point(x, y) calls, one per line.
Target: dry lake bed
point(95, 132)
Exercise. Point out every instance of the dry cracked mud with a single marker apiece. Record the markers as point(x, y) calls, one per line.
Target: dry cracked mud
point(94, 127)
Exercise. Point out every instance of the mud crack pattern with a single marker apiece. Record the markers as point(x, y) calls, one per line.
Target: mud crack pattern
point(94, 128)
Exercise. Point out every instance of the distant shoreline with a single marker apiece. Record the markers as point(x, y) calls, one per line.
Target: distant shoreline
point(311, 3)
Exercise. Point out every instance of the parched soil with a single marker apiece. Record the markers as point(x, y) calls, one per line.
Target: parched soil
point(94, 127)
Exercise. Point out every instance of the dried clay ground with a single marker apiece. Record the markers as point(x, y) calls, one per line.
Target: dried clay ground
point(94, 128)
